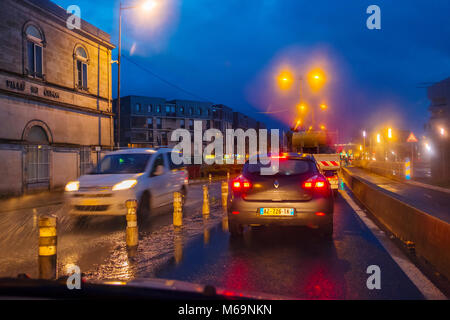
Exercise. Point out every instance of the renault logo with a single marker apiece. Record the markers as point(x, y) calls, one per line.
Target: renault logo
point(276, 184)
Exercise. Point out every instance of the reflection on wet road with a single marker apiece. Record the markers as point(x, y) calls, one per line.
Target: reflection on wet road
point(97, 244)
point(294, 262)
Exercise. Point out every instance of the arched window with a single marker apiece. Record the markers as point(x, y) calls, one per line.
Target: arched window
point(35, 44)
point(81, 59)
point(37, 160)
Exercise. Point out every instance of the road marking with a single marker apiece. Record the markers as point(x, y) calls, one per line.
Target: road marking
point(425, 286)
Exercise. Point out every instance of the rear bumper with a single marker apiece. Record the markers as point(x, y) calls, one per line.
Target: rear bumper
point(304, 215)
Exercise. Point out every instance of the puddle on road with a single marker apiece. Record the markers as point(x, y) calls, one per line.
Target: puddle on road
point(156, 248)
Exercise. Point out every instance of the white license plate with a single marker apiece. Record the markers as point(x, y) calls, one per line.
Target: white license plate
point(276, 211)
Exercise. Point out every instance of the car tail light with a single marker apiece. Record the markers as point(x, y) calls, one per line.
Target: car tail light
point(240, 184)
point(315, 183)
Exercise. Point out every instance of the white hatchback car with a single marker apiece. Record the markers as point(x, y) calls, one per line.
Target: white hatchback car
point(147, 175)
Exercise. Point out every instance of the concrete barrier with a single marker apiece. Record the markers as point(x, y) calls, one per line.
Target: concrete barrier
point(429, 235)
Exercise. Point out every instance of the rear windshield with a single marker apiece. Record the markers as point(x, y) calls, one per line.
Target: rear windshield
point(122, 163)
point(287, 167)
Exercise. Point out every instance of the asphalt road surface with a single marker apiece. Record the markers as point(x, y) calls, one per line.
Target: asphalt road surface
point(293, 262)
point(285, 262)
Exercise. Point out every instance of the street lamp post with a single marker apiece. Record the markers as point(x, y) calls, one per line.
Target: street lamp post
point(364, 143)
point(147, 5)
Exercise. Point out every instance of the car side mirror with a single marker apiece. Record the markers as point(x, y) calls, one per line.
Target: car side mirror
point(159, 170)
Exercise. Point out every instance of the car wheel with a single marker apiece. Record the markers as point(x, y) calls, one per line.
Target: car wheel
point(235, 229)
point(143, 210)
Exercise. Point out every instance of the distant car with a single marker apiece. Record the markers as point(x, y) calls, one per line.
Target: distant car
point(297, 195)
point(147, 175)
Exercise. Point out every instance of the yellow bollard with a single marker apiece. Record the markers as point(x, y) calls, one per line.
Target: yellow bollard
point(47, 247)
point(210, 178)
point(224, 195)
point(132, 237)
point(178, 247)
point(225, 222)
point(177, 210)
point(205, 209)
point(206, 235)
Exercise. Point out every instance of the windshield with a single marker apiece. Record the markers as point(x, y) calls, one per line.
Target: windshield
point(287, 167)
point(122, 163)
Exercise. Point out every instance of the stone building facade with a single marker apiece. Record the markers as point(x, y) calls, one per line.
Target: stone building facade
point(55, 96)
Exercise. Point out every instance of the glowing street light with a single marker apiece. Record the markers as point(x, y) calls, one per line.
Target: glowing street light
point(316, 79)
point(285, 79)
point(302, 107)
point(378, 138)
point(364, 133)
point(442, 131)
point(146, 6)
point(323, 106)
point(149, 5)
point(390, 133)
point(322, 127)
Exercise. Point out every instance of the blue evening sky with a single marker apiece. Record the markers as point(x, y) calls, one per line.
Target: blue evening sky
point(230, 52)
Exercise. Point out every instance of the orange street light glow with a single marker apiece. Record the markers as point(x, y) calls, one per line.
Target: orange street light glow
point(316, 79)
point(285, 79)
point(378, 138)
point(323, 106)
point(390, 133)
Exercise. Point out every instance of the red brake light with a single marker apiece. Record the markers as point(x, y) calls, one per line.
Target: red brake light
point(240, 184)
point(315, 182)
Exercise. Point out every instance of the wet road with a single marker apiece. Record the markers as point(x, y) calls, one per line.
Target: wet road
point(433, 202)
point(295, 262)
point(97, 245)
point(287, 262)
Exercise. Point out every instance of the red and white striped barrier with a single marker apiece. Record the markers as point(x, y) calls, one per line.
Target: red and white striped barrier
point(329, 163)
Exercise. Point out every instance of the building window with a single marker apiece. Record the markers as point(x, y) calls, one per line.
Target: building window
point(85, 160)
point(182, 123)
point(138, 107)
point(139, 136)
point(37, 158)
point(138, 122)
point(35, 44)
point(164, 140)
point(191, 124)
point(199, 111)
point(158, 123)
point(149, 108)
point(150, 123)
point(181, 109)
point(81, 59)
point(158, 108)
point(191, 110)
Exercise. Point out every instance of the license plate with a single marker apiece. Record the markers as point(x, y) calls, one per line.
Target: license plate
point(276, 211)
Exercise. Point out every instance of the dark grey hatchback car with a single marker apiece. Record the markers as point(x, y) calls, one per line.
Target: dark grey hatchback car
point(294, 194)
